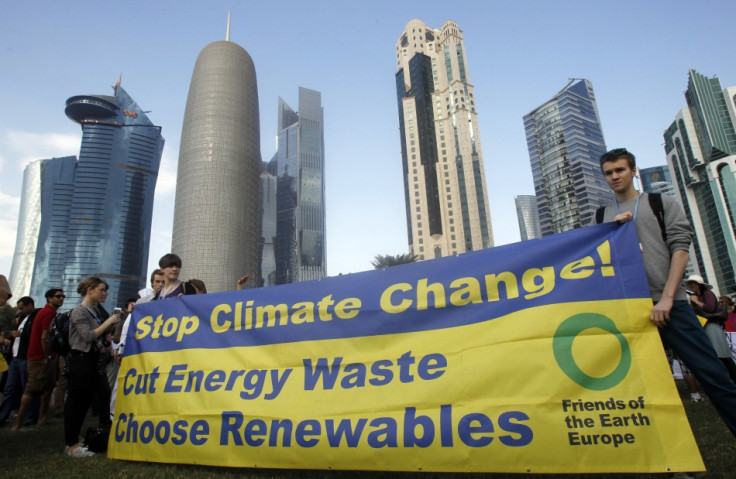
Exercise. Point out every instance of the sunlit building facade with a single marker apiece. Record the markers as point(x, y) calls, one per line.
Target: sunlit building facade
point(565, 141)
point(528, 216)
point(445, 189)
point(657, 179)
point(216, 214)
point(46, 197)
point(701, 152)
point(109, 224)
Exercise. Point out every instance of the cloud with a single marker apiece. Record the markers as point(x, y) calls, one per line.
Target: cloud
point(166, 183)
point(22, 147)
point(9, 207)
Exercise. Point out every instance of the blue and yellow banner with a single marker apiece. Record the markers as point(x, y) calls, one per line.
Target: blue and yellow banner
point(532, 357)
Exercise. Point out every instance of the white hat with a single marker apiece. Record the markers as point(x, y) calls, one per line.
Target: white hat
point(696, 278)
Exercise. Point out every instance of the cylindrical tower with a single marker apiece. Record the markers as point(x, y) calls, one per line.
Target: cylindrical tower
point(216, 212)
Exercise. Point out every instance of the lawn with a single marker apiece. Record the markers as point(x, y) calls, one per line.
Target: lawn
point(39, 454)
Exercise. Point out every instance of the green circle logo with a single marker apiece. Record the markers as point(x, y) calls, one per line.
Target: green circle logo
point(562, 347)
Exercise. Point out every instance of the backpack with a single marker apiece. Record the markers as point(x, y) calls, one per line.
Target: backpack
point(655, 202)
point(59, 334)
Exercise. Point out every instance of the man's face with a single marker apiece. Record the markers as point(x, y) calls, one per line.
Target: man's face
point(171, 272)
point(57, 299)
point(158, 281)
point(24, 309)
point(619, 175)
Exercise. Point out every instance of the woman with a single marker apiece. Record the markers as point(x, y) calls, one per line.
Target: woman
point(704, 303)
point(85, 377)
point(170, 264)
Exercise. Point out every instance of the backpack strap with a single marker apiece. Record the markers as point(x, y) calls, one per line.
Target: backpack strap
point(655, 202)
point(599, 214)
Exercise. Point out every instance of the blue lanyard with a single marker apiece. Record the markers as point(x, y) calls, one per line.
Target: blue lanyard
point(636, 206)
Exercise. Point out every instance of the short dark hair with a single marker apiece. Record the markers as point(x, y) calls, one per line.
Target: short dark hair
point(90, 283)
point(52, 292)
point(156, 272)
point(616, 153)
point(169, 259)
point(26, 300)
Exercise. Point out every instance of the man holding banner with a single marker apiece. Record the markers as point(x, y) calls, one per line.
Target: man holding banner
point(665, 237)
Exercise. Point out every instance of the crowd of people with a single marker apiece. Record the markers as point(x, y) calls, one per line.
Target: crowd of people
point(40, 384)
point(97, 339)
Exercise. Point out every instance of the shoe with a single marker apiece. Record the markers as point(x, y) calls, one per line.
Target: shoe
point(696, 397)
point(80, 451)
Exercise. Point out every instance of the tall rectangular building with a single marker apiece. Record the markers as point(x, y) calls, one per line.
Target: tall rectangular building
point(91, 217)
point(565, 141)
point(40, 247)
point(293, 228)
point(444, 178)
point(701, 152)
point(109, 225)
point(528, 216)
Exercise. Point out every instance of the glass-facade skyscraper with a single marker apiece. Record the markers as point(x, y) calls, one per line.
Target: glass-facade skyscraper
point(565, 141)
point(94, 215)
point(40, 247)
point(296, 252)
point(701, 152)
point(528, 216)
point(657, 179)
point(444, 177)
point(109, 227)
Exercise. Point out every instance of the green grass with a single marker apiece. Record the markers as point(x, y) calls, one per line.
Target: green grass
point(39, 454)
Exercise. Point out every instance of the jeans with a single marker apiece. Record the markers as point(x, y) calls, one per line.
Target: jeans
point(16, 383)
point(686, 337)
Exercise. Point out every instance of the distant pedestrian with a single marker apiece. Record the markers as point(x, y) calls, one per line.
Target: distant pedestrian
point(40, 360)
point(705, 304)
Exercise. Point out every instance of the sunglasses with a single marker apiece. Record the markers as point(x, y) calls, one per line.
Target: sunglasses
point(59, 296)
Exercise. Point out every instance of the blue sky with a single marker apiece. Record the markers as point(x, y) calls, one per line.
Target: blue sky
point(520, 53)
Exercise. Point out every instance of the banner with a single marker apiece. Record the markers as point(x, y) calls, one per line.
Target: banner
point(528, 358)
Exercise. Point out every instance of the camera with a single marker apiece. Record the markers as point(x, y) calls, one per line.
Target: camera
point(690, 293)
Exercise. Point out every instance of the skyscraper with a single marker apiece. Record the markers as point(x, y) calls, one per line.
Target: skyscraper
point(91, 217)
point(267, 240)
point(109, 224)
point(298, 246)
point(701, 151)
point(657, 179)
point(40, 246)
point(565, 141)
point(217, 191)
point(444, 178)
point(528, 216)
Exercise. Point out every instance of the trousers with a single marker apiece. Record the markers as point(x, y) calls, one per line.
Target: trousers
point(686, 337)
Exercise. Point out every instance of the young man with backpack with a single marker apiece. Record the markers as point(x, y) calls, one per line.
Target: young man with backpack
point(664, 239)
point(40, 362)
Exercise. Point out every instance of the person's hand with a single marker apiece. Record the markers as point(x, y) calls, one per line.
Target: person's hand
point(114, 319)
point(624, 217)
point(242, 281)
point(660, 314)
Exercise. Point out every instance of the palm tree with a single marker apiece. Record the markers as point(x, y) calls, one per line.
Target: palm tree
point(381, 261)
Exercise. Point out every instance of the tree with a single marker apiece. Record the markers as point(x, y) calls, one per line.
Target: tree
point(381, 261)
